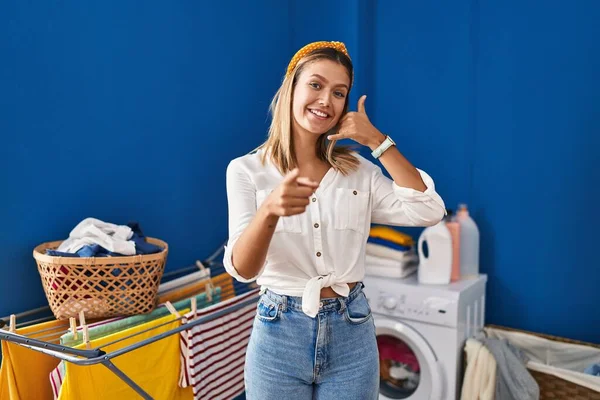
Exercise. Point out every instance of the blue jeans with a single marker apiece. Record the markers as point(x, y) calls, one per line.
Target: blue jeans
point(293, 356)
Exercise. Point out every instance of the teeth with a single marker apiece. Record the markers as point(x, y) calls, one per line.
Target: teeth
point(319, 113)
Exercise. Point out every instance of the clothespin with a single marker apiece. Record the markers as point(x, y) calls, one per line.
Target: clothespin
point(194, 307)
point(84, 327)
point(73, 323)
point(81, 318)
point(208, 289)
point(86, 337)
point(200, 266)
point(172, 309)
point(13, 323)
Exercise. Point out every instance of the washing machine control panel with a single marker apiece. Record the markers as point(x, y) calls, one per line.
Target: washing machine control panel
point(431, 309)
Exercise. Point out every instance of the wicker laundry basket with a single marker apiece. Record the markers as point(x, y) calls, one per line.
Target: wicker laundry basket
point(100, 286)
point(553, 387)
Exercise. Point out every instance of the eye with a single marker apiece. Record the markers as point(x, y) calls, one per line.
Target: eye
point(339, 94)
point(315, 85)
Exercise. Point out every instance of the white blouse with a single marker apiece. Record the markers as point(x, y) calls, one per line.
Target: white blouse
point(325, 245)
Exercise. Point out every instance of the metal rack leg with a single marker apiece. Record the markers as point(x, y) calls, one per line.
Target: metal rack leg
point(108, 364)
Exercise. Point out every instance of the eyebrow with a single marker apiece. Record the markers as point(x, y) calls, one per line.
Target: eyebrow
point(326, 81)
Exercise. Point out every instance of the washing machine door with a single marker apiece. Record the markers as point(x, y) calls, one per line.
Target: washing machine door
point(409, 368)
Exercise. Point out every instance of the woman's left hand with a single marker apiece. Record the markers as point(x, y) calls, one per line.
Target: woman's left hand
point(356, 126)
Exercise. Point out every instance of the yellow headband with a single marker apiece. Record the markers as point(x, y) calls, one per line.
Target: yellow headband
point(339, 46)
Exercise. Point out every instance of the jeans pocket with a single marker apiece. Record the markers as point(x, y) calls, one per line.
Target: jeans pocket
point(267, 310)
point(358, 310)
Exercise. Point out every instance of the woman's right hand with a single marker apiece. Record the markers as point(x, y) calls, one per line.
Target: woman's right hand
point(291, 196)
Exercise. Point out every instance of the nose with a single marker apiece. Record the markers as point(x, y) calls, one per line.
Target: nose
point(325, 99)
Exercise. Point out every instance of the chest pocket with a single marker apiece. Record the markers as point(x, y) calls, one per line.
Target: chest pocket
point(290, 224)
point(351, 209)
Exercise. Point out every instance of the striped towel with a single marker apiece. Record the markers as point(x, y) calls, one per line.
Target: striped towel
point(57, 376)
point(213, 353)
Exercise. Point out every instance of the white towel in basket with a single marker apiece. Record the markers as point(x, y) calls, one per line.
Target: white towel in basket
point(114, 238)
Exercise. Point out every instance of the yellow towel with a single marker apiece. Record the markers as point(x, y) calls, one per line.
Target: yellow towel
point(24, 372)
point(392, 235)
point(155, 367)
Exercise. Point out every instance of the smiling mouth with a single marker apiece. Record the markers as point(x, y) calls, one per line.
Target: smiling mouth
point(319, 114)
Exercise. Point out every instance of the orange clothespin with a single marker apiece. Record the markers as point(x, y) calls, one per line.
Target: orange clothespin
point(73, 323)
point(13, 323)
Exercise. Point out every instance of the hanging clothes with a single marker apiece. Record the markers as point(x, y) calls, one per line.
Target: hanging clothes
point(183, 281)
point(224, 280)
point(214, 352)
point(24, 372)
point(114, 325)
point(154, 367)
point(183, 292)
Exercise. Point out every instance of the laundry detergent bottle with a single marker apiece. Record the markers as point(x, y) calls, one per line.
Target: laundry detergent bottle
point(435, 264)
point(454, 228)
point(469, 243)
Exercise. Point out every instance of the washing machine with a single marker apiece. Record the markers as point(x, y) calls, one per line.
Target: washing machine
point(421, 333)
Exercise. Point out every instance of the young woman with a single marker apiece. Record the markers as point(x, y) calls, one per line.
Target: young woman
point(300, 210)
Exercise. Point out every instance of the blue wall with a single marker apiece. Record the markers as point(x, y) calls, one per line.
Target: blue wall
point(535, 163)
point(499, 102)
point(133, 113)
point(128, 111)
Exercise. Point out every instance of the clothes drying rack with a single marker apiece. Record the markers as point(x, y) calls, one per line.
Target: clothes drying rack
point(97, 355)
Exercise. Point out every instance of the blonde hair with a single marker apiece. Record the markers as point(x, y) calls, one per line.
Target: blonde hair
point(279, 146)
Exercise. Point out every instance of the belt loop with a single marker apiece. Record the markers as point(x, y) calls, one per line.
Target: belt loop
point(284, 303)
point(342, 304)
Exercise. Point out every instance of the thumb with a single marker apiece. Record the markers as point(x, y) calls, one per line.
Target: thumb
point(361, 104)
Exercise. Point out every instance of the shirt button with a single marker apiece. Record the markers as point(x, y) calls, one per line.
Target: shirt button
point(355, 192)
point(318, 254)
point(314, 199)
point(316, 225)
